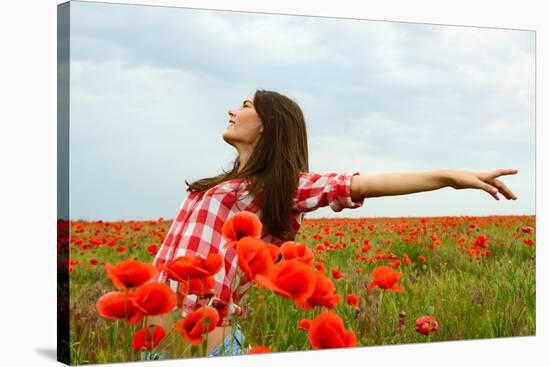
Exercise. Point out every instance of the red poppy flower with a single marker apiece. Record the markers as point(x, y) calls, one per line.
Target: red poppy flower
point(421, 258)
point(121, 248)
point(295, 250)
point(240, 225)
point(526, 229)
point(259, 349)
point(481, 241)
point(197, 323)
point(198, 286)
point(275, 251)
point(304, 324)
point(254, 257)
point(93, 261)
point(395, 264)
point(323, 294)
point(148, 338)
point(185, 268)
point(327, 331)
point(291, 279)
point(385, 278)
point(426, 324)
point(155, 299)
point(529, 242)
point(352, 300)
point(152, 249)
point(320, 266)
point(119, 305)
point(130, 273)
point(336, 273)
point(213, 263)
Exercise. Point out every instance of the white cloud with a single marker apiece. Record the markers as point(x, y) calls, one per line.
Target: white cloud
point(151, 87)
point(346, 153)
point(264, 38)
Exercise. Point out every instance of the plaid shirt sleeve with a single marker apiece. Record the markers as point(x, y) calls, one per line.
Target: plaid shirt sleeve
point(320, 190)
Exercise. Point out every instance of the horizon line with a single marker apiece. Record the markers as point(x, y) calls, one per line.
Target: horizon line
point(306, 218)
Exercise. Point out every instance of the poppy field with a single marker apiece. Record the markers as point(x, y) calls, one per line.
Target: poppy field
point(341, 283)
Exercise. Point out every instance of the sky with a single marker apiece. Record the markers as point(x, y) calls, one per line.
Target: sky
point(150, 88)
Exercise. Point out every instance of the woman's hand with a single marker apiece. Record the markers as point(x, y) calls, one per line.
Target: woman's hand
point(486, 181)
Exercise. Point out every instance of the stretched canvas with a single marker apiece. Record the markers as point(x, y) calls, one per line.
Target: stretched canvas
point(145, 98)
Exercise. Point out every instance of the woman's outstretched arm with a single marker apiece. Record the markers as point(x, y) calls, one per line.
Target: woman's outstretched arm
point(387, 184)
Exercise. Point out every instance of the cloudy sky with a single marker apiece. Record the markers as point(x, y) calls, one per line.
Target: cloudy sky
point(151, 86)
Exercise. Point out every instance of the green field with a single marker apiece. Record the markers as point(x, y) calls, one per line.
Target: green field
point(475, 288)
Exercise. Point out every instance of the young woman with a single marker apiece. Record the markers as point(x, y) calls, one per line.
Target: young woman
point(270, 177)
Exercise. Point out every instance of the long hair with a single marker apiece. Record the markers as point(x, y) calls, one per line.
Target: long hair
point(271, 173)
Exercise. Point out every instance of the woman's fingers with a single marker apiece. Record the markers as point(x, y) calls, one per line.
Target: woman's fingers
point(494, 184)
point(503, 172)
point(504, 190)
point(490, 189)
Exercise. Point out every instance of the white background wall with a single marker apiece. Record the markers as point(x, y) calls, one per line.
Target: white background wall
point(28, 195)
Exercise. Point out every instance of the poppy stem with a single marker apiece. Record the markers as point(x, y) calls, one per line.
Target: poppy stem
point(125, 331)
point(179, 300)
point(223, 342)
point(235, 288)
point(204, 345)
point(148, 328)
point(112, 341)
point(110, 357)
point(144, 322)
point(380, 319)
point(129, 343)
point(205, 324)
point(163, 345)
point(126, 304)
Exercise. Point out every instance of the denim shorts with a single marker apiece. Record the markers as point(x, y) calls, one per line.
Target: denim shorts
point(232, 344)
point(148, 356)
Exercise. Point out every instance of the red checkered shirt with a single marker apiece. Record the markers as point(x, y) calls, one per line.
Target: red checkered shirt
point(197, 228)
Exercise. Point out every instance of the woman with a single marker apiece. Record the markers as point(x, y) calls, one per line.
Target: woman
point(269, 173)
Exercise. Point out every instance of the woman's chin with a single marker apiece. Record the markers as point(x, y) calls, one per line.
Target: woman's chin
point(226, 136)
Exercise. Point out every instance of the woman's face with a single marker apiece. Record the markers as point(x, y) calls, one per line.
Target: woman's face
point(244, 127)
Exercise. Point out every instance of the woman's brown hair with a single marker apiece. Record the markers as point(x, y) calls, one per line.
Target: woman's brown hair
point(275, 163)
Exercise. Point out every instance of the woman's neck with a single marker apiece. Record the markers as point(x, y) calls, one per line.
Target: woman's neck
point(243, 158)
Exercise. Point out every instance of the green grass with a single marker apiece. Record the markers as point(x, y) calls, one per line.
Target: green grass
point(489, 297)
